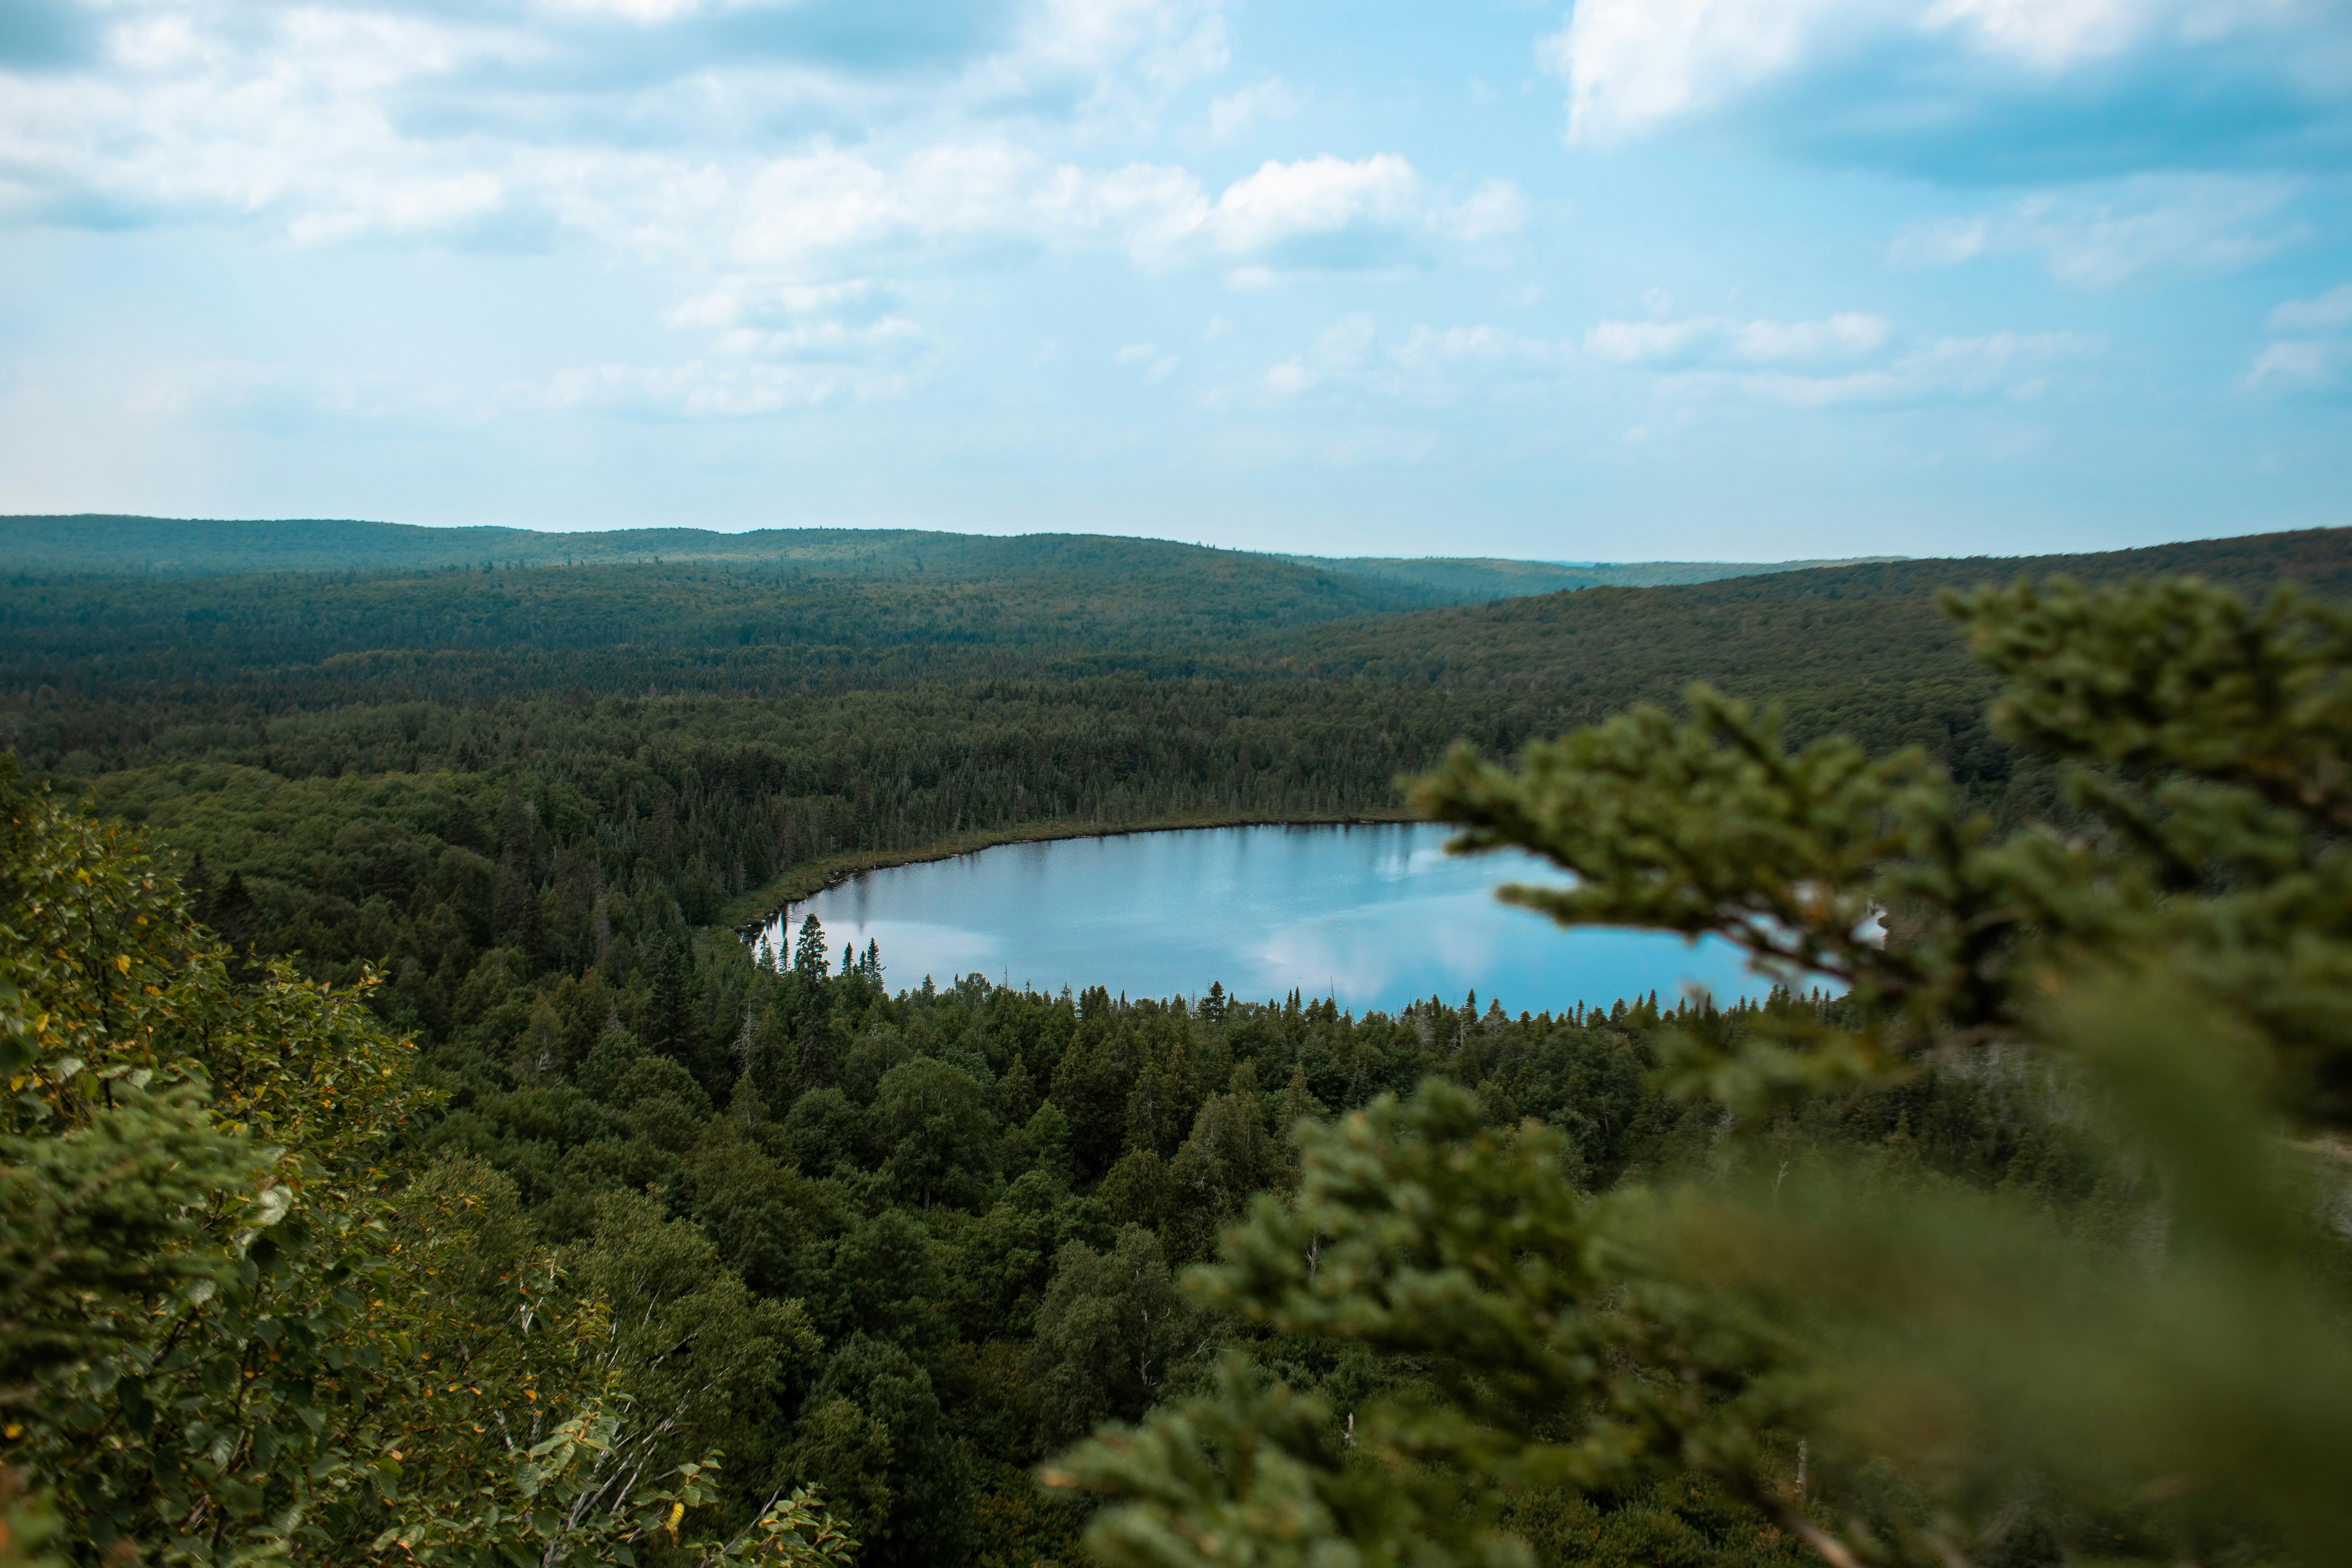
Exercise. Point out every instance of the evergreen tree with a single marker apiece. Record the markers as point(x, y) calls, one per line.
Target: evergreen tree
point(669, 1025)
point(809, 951)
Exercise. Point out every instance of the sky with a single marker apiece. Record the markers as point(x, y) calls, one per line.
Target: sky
point(1623, 279)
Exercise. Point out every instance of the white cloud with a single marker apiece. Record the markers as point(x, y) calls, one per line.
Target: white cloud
point(1850, 358)
point(831, 210)
point(1162, 44)
point(2296, 367)
point(2139, 83)
point(1841, 358)
point(1635, 343)
point(1631, 64)
point(1495, 209)
point(822, 208)
point(1315, 197)
point(753, 298)
point(639, 11)
point(779, 347)
point(1481, 345)
point(2317, 360)
point(1231, 113)
point(614, 124)
point(1338, 215)
point(626, 118)
point(399, 207)
point(1849, 334)
point(2010, 365)
point(743, 370)
point(2333, 308)
point(1158, 367)
point(2099, 238)
point(1845, 335)
point(247, 391)
point(699, 389)
point(821, 340)
point(1431, 365)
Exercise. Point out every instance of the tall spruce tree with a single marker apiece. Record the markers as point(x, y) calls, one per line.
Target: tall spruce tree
point(809, 950)
point(669, 1008)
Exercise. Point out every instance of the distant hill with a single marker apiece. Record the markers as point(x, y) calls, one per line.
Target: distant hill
point(96, 544)
point(882, 693)
point(1475, 579)
point(1860, 647)
point(917, 606)
point(1773, 622)
point(100, 544)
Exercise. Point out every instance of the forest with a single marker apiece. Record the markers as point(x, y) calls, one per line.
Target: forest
point(173, 547)
point(427, 875)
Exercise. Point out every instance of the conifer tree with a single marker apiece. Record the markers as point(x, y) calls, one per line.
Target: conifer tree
point(670, 1010)
point(809, 950)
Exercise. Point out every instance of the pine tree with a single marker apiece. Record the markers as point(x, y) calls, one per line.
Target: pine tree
point(809, 951)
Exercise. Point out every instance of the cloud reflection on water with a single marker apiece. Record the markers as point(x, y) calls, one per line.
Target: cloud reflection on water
point(1374, 916)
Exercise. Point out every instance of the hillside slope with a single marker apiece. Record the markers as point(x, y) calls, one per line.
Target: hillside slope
point(1471, 579)
point(117, 546)
point(1854, 628)
point(984, 607)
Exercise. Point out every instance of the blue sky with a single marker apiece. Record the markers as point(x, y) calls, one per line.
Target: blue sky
point(1625, 279)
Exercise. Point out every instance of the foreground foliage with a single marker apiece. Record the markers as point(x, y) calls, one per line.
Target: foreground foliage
point(1889, 1364)
point(211, 1347)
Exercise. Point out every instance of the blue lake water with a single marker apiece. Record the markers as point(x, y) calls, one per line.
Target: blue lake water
point(1373, 916)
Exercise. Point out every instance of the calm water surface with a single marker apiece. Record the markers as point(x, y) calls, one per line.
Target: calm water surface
point(1374, 916)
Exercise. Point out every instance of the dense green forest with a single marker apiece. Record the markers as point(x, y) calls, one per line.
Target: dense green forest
point(930, 1233)
point(1474, 579)
point(510, 815)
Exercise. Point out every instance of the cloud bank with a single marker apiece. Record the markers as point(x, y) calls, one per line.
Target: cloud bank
point(1971, 90)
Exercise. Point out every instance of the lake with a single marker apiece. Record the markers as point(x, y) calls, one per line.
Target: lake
point(1374, 916)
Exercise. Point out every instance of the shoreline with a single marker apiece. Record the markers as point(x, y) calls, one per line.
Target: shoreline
point(807, 881)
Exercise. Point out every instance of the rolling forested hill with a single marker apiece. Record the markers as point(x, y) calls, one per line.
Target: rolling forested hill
point(1857, 646)
point(1479, 579)
point(111, 546)
point(184, 547)
point(1058, 601)
point(1004, 684)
